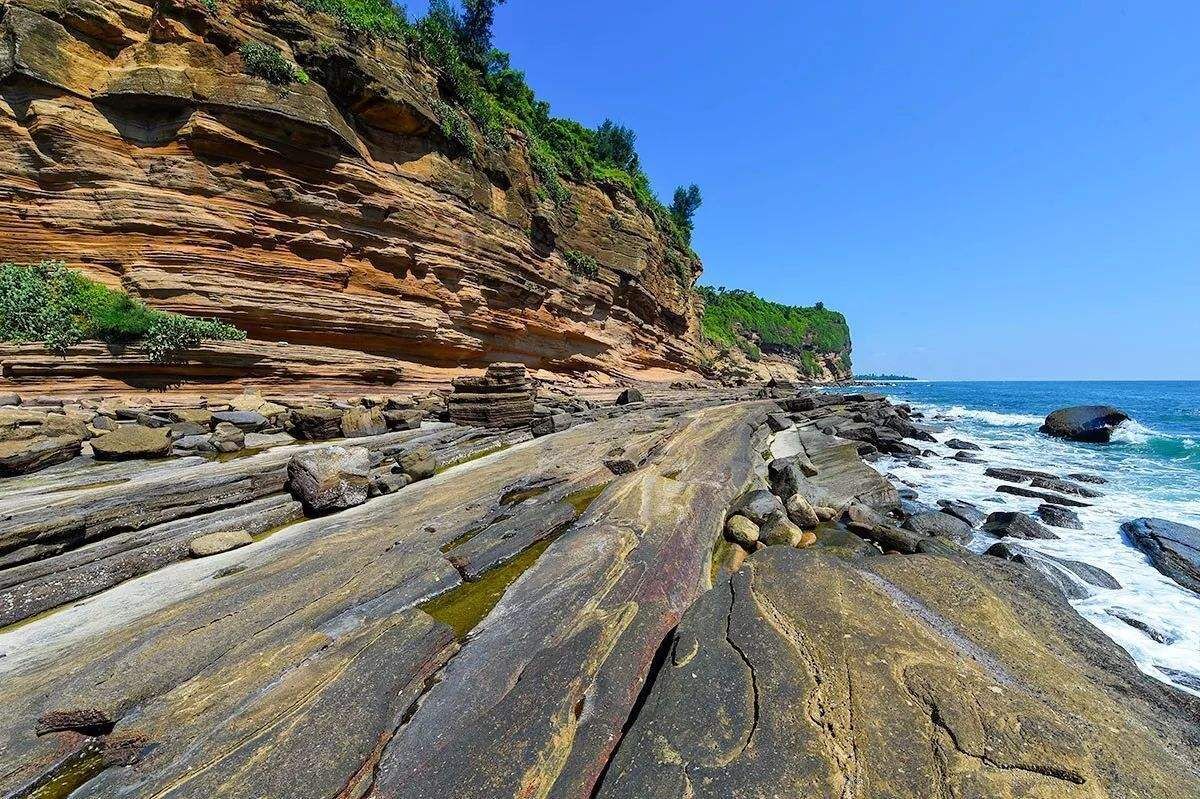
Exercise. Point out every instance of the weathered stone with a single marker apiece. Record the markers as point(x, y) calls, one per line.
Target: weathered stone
point(801, 512)
point(1045, 496)
point(130, 442)
point(419, 464)
point(249, 421)
point(620, 466)
point(1057, 516)
point(630, 396)
point(84, 721)
point(502, 398)
point(960, 444)
point(546, 425)
point(1071, 577)
point(1173, 549)
point(228, 438)
point(23, 456)
point(330, 478)
point(778, 422)
point(359, 421)
point(1065, 487)
point(780, 531)
point(9, 400)
point(937, 523)
point(316, 423)
point(409, 419)
point(1011, 524)
point(1012, 475)
point(216, 543)
point(741, 530)
point(759, 506)
point(963, 511)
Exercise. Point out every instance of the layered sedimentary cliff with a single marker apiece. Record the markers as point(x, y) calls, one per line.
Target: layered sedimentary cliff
point(333, 215)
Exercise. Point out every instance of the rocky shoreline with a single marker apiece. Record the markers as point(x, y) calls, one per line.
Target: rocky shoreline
point(500, 591)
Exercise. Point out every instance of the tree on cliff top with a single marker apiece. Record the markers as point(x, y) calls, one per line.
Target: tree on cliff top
point(683, 207)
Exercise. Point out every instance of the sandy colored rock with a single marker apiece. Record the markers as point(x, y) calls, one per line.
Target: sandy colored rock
point(741, 530)
point(216, 543)
point(330, 478)
point(132, 441)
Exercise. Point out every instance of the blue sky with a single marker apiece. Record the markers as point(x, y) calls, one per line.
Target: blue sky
point(987, 190)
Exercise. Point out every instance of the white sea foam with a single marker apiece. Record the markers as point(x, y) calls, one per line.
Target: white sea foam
point(1131, 432)
point(1139, 486)
point(989, 417)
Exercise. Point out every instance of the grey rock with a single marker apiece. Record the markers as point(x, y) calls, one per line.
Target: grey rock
point(960, 444)
point(1011, 524)
point(315, 423)
point(1139, 623)
point(131, 442)
point(361, 421)
point(943, 525)
point(801, 512)
point(963, 511)
point(1173, 549)
point(546, 425)
point(409, 419)
point(1046, 496)
point(630, 396)
point(741, 530)
point(780, 531)
point(419, 464)
point(228, 438)
point(1094, 479)
point(330, 478)
point(1065, 487)
point(759, 506)
point(778, 422)
point(40, 452)
point(7, 400)
point(249, 421)
point(1057, 516)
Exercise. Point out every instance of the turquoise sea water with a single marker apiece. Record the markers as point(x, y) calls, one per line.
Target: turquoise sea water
point(1153, 468)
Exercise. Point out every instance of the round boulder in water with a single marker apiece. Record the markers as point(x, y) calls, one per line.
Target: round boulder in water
point(1093, 423)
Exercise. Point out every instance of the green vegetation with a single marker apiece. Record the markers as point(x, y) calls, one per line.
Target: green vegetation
point(52, 304)
point(684, 206)
point(580, 264)
point(478, 78)
point(266, 62)
point(883, 377)
point(741, 319)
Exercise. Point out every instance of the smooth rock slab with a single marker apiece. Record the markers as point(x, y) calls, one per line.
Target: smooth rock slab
point(937, 523)
point(34, 454)
point(1011, 524)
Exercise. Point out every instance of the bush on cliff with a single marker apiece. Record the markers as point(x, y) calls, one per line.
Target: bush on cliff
point(266, 62)
point(737, 318)
point(51, 304)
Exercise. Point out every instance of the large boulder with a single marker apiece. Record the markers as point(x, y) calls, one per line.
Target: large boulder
point(1058, 516)
point(964, 511)
point(330, 478)
point(1084, 423)
point(130, 442)
point(630, 396)
point(1173, 549)
point(316, 423)
point(419, 464)
point(1071, 577)
point(249, 421)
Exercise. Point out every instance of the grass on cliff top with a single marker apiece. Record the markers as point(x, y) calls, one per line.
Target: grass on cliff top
point(731, 316)
point(58, 307)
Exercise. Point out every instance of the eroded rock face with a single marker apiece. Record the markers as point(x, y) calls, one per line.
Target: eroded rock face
point(1173, 549)
point(332, 215)
point(905, 677)
point(331, 478)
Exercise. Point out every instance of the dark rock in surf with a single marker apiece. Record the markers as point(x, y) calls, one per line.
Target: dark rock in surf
point(1045, 496)
point(1094, 423)
point(960, 444)
point(1173, 549)
point(1058, 516)
point(936, 523)
point(963, 511)
point(1010, 524)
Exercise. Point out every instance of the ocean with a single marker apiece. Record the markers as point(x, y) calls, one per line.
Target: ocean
point(1153, 468)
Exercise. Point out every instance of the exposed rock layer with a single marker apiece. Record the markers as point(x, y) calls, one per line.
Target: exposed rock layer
point(332, 215)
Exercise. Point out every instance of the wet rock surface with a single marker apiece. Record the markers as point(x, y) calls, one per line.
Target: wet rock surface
point(1173, 549)
point(1094, 423)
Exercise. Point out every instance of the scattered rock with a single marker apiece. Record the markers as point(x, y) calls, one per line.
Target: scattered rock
point(741, 530)
point(387, 483)
point(34, 454)
point(778, 422)
point(1011, 524)
point(1094, 423)
point(939, 524)
point(403, 419)
point(960, 444)
point(547, 425)
point(360, 421)
point(1173, 549)
point(801, 512)
point(7, 400)
point(330, 478)
point(1137, 623)
point(759, 506)
point(130, 442)
point(630, 396)
point(1057, 516)
point(1011, 475)
point(963, 511)
point(316, 423)
point(620, 466)
point(1046, 496)
point(966, 457)
point(1088, 478)
point(248, 421)
point(216, 543)
point(1070, 577)
point(779, 531)
point(419, 464)
point(228, 438)
point(1065, 487)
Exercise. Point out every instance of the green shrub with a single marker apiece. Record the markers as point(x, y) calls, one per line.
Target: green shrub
point(455, 127)
point(266, 62)
point(378, 17)
point(51, 304)
point(580, 264)
point(730, 317)
point(615, 144)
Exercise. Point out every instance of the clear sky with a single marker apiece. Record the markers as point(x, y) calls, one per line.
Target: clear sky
point(988, 190)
